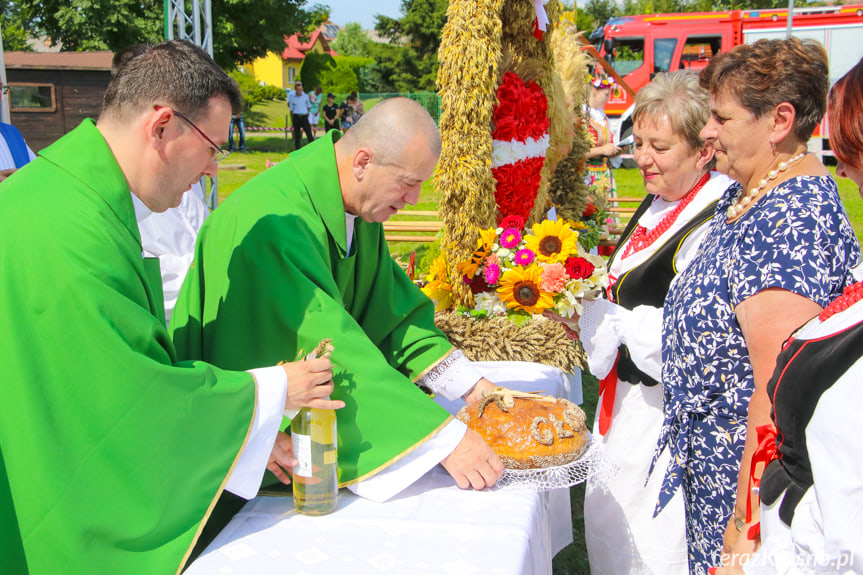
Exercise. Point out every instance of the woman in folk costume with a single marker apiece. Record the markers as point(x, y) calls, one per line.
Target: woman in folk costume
point(807, 467)
point(621, 334)
point(599, 177)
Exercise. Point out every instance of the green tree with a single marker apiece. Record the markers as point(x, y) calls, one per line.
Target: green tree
point(351, 41)
point(410, 62)
point(14, 26)
point(242, 29)
point(600, 11)
point(339, 78)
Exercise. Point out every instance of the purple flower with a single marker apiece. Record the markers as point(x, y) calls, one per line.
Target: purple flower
point(510, 238)
point(524, 257)
point(492, 274)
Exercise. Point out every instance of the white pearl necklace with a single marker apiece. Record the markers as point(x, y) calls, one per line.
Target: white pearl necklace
point(746, 198)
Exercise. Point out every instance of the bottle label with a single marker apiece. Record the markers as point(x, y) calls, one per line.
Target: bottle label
point(302, 446)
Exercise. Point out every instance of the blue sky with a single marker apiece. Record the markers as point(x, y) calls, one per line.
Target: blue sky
point(362, 11)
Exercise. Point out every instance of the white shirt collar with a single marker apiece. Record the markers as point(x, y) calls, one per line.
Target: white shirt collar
point(349, 226)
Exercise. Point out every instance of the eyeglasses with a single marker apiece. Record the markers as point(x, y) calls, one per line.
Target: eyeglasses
point(218, 154)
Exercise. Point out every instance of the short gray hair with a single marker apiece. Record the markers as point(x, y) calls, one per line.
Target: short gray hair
point(677, 97)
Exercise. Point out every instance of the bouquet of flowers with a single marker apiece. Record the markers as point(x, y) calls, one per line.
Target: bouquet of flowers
point(516, 273)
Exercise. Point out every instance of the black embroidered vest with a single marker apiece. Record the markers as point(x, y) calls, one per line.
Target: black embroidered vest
point(804, 371)
point(648, 283)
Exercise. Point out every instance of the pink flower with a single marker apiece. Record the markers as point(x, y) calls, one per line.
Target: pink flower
point(524, 257)
point(553, 278)
point(492, 274)
point(492, 259)
point(510, 238)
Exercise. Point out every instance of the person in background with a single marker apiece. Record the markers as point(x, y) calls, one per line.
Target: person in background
point(315, 108)
point(300, 107)
point(599, 177)
point(622, 335)
point(778, 250)
point(14, 151)
point(811, 503)
point(348, 112)
point(92, 390)
point(332, 113)
point(359, 109)
point(237, 121)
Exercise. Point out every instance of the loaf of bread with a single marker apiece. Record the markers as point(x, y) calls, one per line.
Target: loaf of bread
point(528, 431)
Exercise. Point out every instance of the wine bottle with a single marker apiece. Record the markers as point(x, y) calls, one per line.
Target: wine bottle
point(316, 483)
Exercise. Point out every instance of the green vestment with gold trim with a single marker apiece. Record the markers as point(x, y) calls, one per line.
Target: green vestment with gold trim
point(112, 454)
point(272, 276)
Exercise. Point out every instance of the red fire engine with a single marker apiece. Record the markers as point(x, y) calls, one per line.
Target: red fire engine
point(638, 47)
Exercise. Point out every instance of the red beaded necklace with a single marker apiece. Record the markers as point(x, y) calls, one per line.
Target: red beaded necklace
point(641, 238)
point(849, 297)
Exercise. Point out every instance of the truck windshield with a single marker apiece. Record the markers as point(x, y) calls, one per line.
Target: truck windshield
point(628, 55)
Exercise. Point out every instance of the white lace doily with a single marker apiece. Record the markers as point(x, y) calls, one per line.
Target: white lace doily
point(593, 464)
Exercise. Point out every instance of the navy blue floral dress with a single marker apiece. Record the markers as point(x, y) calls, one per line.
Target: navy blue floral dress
point(796, 238)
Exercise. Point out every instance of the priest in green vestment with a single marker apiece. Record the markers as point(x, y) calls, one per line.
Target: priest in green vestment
point(298, 254)
point(113, 453)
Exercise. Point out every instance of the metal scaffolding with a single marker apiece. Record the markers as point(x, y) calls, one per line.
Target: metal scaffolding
point(196, 26)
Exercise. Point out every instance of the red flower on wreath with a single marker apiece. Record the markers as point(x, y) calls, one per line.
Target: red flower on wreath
point(588, 211)
point(520, 138)
point(579, 268)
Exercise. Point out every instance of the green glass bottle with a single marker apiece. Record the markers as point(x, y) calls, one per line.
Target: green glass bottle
point(316, 483)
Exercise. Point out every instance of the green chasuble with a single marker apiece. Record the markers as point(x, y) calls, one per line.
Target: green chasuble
point(272, 276)
point(112, 453)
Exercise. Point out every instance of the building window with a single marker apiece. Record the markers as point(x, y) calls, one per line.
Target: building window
point(32, 97)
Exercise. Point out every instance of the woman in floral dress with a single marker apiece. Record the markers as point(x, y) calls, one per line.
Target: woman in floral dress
point(777, 252)
point(811, 502)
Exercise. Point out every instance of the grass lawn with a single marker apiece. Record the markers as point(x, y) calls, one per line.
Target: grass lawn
point(573, 559)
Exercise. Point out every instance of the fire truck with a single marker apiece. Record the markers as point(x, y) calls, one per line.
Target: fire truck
point(639, 47)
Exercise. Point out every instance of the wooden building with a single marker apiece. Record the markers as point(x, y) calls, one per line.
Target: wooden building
point(52, 92)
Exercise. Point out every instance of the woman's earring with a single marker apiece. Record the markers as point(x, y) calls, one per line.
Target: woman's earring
point(773, 147)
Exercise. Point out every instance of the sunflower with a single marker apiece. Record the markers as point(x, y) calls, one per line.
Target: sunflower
point(519, 289)
point(484, 244)
point(552, 241)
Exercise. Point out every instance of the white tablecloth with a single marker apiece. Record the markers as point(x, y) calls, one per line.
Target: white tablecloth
point(431, 527)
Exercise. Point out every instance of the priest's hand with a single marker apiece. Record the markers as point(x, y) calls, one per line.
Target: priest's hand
point(282, 458)
point(310, 383)
point(6, 173)
point(473, 463)
point(475, 394)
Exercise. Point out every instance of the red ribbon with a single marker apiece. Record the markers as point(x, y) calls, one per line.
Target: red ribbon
point(537, 33)
point(607, 389)
point(764, 453)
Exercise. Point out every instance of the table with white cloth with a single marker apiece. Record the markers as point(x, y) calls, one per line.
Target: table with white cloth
point(430, 527)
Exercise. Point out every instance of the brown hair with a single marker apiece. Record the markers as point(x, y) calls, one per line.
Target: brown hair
point(175, 73)
point(762, 75)
point(845, 112)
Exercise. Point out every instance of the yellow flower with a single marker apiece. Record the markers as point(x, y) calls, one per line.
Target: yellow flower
point(437, 270)
point(486, 238)
point(552, 241)
point(440, 293)
point(484, 243)
point(520, 289)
